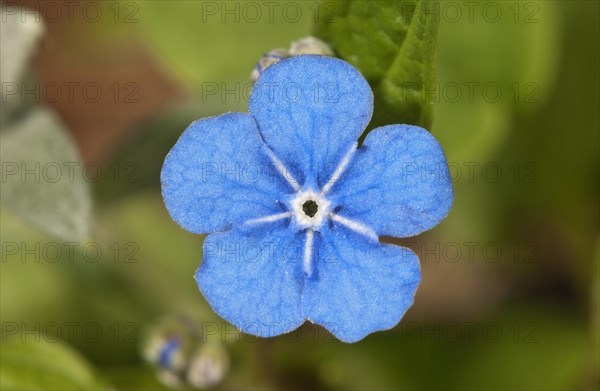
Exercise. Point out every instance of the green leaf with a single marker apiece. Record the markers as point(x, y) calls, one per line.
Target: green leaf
point(43, 181)
point(18, 39)
point(44, 365)
point(393, 44)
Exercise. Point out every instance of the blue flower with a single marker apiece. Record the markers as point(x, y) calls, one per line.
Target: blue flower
point(295, 210)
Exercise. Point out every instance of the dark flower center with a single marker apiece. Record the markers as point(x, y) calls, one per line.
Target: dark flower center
point(310, 208)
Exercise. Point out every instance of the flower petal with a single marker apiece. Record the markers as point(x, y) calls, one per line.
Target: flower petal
point(398, 183)
point(253, 278)
point(218, 175)
point(359, 286)
point(310, 109)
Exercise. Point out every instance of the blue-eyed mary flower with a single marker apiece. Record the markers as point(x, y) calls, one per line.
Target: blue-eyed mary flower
point(294, 208)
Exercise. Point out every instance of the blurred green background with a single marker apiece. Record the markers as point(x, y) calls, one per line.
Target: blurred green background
point(92, 265)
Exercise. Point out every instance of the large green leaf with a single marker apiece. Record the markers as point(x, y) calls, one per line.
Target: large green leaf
point(43, 365)
point(18, 39)
point(393, 44)
point(43, 180)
